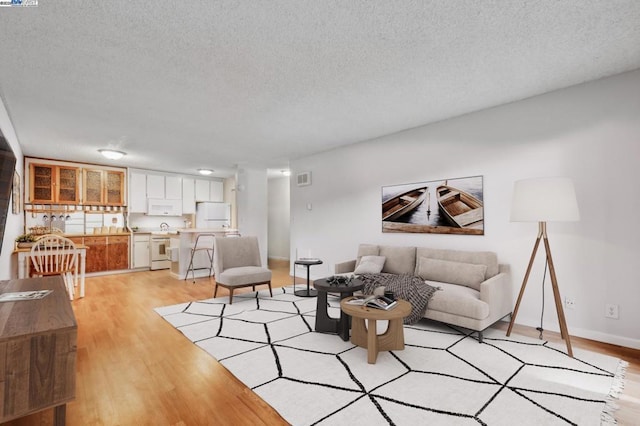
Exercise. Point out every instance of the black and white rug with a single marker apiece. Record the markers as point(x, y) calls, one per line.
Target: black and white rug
point(442, 377)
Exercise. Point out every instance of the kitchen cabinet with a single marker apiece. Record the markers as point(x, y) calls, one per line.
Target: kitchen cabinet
point(209, 190)
point(53, 184)
point(103, 187)
point(117, 252)
point(164, 187)
point(141, 251)
point(155, 186)
point(96, 254)
point(188, 196)
point(107, 253)
point(137, 192)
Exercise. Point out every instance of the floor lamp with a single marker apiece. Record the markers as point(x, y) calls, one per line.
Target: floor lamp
point(544, 200)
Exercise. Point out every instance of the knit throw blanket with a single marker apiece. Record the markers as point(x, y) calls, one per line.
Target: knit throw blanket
point(407, 287)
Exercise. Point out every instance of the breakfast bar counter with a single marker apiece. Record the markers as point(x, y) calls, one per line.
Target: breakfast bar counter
point(181, 243)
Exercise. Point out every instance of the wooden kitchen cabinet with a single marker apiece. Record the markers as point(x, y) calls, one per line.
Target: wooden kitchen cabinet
point(103, 187)
point(96, 254)
point(107, 253)
point(117, 252)
point(53, 184)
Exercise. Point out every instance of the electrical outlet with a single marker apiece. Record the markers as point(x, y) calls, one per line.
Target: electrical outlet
point(612, 311)
point(569, 303)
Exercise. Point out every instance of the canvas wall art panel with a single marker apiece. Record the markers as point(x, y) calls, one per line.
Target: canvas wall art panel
point(449, 206)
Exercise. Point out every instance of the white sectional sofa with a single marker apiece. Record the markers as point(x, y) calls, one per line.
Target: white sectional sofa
point(475, 291)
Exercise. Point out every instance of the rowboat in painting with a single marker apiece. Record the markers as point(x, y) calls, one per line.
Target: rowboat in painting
point(404, 203)
point(460, 208)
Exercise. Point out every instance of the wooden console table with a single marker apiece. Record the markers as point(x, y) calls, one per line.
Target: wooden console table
point(38, 343)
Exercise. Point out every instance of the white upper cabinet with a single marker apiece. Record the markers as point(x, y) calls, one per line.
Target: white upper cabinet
point(173, 188)
point(164, 187)
point(137, 192)
point(202, 190)
point(188, 196)
point(155, 186)
point(216, 191)
point(209, 190)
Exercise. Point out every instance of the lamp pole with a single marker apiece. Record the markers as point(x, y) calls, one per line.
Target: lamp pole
point(564, 332)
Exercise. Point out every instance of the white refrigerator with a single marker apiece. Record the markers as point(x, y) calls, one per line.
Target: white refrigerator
point(213, 215)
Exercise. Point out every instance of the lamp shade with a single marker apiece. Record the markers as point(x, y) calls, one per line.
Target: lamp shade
point(546, 199)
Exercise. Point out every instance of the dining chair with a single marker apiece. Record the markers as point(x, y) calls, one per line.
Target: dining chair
point(56, 255)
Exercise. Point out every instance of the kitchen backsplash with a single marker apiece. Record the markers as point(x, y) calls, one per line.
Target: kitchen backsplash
point(145, 222)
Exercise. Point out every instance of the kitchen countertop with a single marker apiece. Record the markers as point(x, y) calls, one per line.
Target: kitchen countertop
point(205, 230)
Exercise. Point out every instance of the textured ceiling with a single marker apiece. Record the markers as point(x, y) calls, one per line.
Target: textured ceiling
point(185, 85)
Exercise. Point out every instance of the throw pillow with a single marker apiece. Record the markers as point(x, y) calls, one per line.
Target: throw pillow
point(370, 265)
point(445, 271)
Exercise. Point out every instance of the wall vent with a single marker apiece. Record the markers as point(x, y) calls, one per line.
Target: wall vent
point(303, 179)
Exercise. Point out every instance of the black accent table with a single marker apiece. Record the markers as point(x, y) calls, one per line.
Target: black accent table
point(324, 322)
point(308, 263)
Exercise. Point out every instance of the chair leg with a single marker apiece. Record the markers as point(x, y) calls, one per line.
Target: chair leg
point(270, 292)
point(215, 290)
point(230, 295)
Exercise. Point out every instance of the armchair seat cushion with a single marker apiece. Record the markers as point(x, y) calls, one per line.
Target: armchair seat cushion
point(244, 275)
point(458, 300)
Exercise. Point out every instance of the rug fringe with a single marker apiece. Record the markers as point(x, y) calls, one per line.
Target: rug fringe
point(617, 386)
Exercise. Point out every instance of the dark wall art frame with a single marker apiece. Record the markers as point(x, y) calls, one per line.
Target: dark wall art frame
point(447, 206)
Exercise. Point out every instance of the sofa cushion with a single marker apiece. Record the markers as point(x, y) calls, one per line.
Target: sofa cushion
point(488, 258)
point(458, 300)
point(400, 260)
point(370, 265)
point(445, 271)
point(366, 250)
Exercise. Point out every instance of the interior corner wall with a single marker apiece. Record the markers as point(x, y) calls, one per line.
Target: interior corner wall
point(278, 217)
point(589, 132)
point(15, 222)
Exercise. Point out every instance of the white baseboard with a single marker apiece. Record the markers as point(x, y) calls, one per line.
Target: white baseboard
point(588, 334)
point(278, 258)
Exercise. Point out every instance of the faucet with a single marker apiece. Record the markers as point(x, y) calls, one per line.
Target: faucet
point(164, 226)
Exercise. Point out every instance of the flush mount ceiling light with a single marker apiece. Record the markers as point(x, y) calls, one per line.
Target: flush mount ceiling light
point(112, 154)
point(205, 172)
point(286, 172)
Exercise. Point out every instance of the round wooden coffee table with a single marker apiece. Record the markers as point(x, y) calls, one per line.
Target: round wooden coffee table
point(391, 340)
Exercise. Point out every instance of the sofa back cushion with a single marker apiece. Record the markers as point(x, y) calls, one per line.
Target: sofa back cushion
point(366, 250)
point(488, 258)
point(446, 271)
point(399, 260)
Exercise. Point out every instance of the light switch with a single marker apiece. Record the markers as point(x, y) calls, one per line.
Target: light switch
point(309, 206)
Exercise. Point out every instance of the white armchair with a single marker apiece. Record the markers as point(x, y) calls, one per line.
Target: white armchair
point(237, 264)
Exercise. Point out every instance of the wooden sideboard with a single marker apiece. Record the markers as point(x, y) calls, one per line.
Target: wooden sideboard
point(38, 345)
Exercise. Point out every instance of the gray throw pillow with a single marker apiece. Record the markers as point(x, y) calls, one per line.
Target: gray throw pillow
point(370, 265)
point(445, 271)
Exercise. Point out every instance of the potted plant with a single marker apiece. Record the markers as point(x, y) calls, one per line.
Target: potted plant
point(25, 240)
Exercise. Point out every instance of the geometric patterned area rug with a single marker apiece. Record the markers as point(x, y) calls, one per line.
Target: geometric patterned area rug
point(442, 377)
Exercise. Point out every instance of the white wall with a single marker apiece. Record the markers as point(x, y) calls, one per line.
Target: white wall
point(251, 197)
point(278, 218)
point(589, 132)
point(15, 223)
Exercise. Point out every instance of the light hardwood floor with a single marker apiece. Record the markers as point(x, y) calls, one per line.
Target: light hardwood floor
point(136, 369)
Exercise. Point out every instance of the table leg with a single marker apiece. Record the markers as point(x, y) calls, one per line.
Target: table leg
point(372, 341)
point(323, 321)
point(60, 415)
point(308, 292)
point(344, 324)
point(23, 265)
point(83, 263)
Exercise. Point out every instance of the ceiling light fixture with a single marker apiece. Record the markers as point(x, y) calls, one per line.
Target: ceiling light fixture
point(205, 172)
point(112, 154)
point(286, 172)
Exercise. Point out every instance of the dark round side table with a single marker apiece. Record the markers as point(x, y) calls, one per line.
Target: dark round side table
point(308, 263)
point(324, 322)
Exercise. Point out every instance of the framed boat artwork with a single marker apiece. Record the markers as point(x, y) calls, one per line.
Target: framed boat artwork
point(449, 206)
